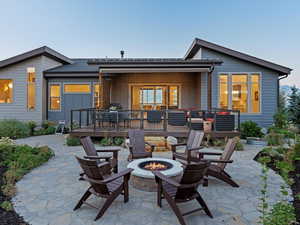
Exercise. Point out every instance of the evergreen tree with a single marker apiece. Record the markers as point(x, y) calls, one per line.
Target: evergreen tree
point(294, 106)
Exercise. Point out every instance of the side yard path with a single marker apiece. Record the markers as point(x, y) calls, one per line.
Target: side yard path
point(48, 194)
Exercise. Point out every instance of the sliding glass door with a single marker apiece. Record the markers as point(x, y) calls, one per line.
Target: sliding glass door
point(149, 97)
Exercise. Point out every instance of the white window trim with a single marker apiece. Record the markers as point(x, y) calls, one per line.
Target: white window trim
point(49, 97)
point(77, 93)
point(229, 87)
point(13, 92)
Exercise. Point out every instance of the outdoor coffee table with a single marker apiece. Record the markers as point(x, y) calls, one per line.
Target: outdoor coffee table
point(142, 177)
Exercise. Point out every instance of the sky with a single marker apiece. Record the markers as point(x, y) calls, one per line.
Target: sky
point(267, 29)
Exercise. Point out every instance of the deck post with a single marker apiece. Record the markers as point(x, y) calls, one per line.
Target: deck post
point(80, 118)
point(118, 121)
point(71, 125)
point(142, 120)
point(165, 120)
point(87, 117)
point(94, 119)
point(209, 90)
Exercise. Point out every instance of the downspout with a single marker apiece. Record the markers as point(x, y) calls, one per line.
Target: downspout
point(278, 87)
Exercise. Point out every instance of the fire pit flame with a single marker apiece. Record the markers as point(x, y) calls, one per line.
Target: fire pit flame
point(155, 166)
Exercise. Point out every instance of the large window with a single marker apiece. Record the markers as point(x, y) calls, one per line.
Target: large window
point(31, 88)
point(240, 92)
point(173, 97)
point(77, 88)
point(97, 89)
point(55, 97)
point(6, 91)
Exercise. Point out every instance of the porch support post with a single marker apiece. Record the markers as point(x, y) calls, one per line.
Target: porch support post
point(104, 91)
point(209, 90)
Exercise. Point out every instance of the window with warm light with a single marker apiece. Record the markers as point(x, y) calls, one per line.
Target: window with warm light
point(173, 97)
point(31, 87)
point(55, 97)
point(97, 89)
point(240, 92)
point(223, 91)
point(6, 91)
point(77, 88)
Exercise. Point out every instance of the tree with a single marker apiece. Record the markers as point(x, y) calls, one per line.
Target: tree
point(294, 106)
point(282, 100)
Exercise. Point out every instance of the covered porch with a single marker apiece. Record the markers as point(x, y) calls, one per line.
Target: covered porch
point(165, 97)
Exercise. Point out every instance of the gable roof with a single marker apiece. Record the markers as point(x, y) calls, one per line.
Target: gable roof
point(79, 65)
point(198, 43)
point(46, 51)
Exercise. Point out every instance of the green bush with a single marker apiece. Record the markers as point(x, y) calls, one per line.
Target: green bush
point(46, 123)
point(6, 205)
point(32, 126)
point(14, 129)
point(282, 213)
point(19, 160)
point(106, 141)
point(250, 129)
point(118, 141)
point(281, 119)
point(239, 145)
point(274, 139)
point(73, 141)
point(43, 131)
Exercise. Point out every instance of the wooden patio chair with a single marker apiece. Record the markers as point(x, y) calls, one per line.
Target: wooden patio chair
point(92, 153)
point(185, 190)
point(102, 184)
point(218, 168)
point(137, 145)
point(193, 145)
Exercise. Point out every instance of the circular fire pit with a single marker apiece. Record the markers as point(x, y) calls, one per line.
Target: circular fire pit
point(142, 177)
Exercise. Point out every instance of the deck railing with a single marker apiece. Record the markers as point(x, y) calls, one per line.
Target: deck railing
point(161, 120)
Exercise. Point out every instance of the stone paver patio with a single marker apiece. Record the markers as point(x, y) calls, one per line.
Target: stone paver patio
point(48, 194)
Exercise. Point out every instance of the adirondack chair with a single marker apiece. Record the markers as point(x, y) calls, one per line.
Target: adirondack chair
point(92, 153)
point(137, 145)
point(217, 169)
point(102, 184)
point(193, 145)
point(185, 190)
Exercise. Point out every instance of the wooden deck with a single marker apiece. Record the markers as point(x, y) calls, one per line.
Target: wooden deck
point(161, 133)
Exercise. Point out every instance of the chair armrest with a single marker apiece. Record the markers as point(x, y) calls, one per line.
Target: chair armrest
point(173, 146)
point(151, 145)
point(109, 150)
point(97, 157)
point(219, 161)
point(194, 149)
point(179, 144)
point(163, 177)
point(210, 153)
point(116, 176)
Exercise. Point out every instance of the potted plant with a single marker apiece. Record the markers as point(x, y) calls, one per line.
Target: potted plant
point(252, 133)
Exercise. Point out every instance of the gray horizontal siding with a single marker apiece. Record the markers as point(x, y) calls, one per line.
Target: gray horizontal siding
point(268, 85)
point(18, 73)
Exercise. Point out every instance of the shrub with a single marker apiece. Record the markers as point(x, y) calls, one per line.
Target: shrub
point(281, 119)
point(20, 159)
point(239, 145)
point(106, 141)
point(6, 141)
point(14, 129)
point(250, 129)
point(73, 141)
point(32, 126)
point(275, 139)
point(285, 132)
point(46, 123)
point(6, 205)
point(282, 213)
point(118, 141)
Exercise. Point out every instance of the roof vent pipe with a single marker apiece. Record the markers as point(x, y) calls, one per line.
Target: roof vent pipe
point(122, 53)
